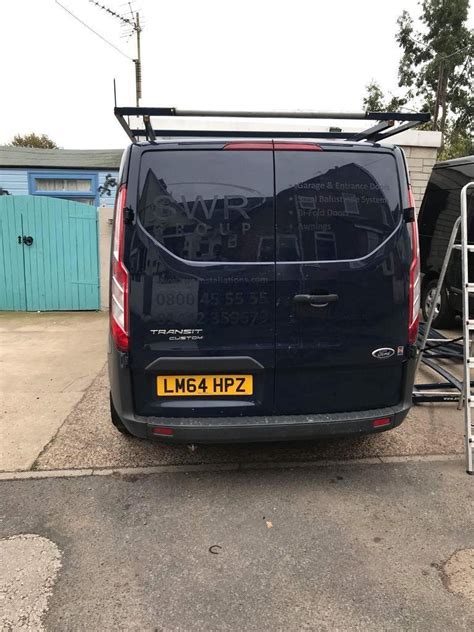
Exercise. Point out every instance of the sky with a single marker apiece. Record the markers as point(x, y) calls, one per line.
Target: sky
point(57, 76)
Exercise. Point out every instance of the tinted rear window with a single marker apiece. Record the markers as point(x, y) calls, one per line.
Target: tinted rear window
point(334, 205)
point(209, 205)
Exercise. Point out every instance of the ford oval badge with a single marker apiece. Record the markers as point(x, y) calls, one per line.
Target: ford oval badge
point(383, 353)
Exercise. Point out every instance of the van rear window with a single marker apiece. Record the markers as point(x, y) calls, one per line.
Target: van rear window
point(209, 205)
point(334, 205)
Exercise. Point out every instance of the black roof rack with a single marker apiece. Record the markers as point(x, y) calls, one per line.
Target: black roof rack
point(384, 128)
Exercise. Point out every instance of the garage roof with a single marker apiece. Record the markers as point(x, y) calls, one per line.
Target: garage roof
point(60, 158)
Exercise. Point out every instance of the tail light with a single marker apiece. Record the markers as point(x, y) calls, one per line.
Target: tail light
point(119, 279)
point(414, 292)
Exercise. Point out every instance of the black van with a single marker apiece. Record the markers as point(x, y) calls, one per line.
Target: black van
point(439, 210)
point(262, 291)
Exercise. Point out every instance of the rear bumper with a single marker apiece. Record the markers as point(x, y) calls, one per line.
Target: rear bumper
point(252, 428)
point(273, 428)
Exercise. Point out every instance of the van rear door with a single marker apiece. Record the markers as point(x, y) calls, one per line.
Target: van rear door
point(201, 258)
point(343, 258)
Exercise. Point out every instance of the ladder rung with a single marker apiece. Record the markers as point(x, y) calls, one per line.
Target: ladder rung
point(470, 324)
point(470, 287)
point(454, 393)
point(470, 361)
point(469, 247)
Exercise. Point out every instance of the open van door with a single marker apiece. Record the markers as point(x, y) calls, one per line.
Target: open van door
point(201, 258)
point(343, 259)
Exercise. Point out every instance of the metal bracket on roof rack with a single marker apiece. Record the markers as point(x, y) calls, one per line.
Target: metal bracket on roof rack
point(375, 130)
point(375, 133)
point(148, 127)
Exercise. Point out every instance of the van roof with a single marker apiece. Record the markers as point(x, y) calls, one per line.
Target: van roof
point(232, 139)
point(454, 162)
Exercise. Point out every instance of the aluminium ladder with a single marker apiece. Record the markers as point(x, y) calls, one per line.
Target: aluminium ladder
point(466, 395)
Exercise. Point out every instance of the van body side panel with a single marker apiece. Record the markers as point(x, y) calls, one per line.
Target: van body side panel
point(340, 234)
point(202, 279)
point(440, 208)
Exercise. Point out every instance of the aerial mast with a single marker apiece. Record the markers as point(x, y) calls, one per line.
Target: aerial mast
point(133, 27)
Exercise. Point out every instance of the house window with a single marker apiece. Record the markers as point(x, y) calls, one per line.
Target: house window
point(325, 245)
point(67, 186)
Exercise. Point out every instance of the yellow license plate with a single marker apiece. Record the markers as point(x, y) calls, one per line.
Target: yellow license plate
point(203, 385)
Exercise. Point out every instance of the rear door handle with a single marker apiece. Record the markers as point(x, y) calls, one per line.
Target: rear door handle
point(316, 300)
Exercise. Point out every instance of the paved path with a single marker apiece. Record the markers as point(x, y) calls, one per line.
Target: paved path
point(336, 547)
point(47, 361)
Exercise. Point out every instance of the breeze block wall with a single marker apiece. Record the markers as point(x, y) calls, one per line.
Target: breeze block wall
point(421, 150)
point(420, 164)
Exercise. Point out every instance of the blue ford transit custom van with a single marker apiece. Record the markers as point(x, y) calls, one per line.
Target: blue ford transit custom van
point(262, 290)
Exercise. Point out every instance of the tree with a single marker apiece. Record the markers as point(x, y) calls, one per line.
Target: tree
point(374, 100)
point(436, 70)
point(457, 143)
point(437, 63)
point(33, 140)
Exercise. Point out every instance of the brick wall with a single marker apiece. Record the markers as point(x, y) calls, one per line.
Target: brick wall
point(420, 163)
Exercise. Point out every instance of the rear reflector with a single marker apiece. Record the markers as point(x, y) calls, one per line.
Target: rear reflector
point(383, 421)
point(165, 432)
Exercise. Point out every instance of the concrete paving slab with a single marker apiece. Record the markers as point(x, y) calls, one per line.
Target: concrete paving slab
point(47, 361)
point(28, 422)
point(351, 547)
point(88, 439)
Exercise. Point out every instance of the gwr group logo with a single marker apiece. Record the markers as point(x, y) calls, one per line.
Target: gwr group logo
point(230, 202)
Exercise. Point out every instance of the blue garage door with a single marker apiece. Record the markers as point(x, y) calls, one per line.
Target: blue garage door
point(48, 254)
